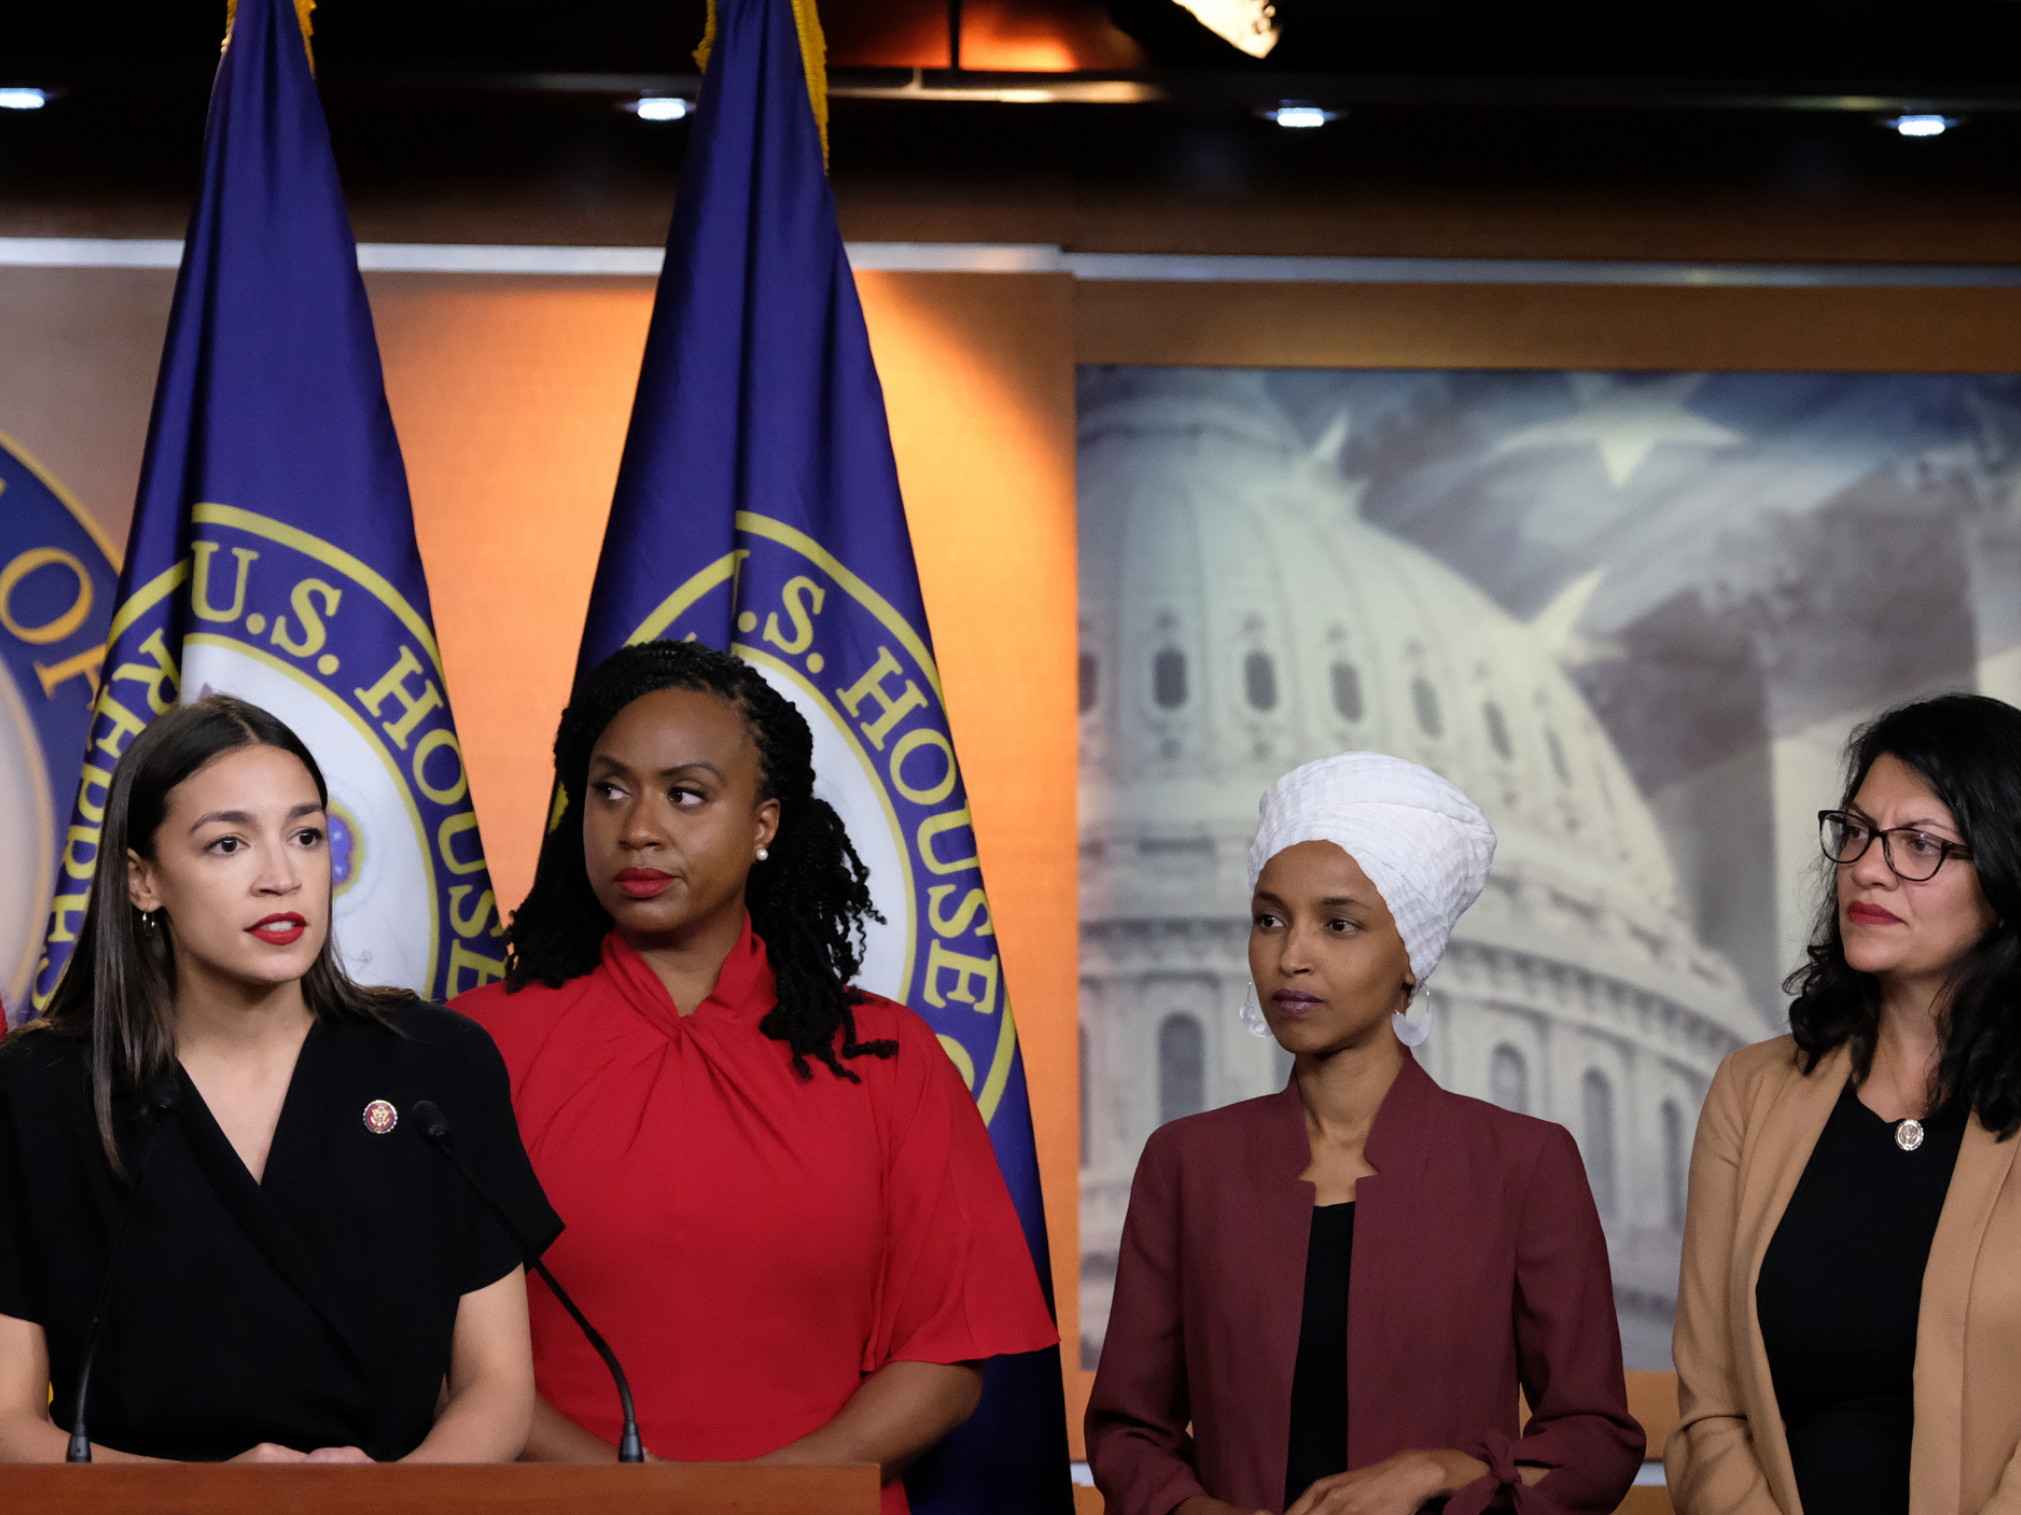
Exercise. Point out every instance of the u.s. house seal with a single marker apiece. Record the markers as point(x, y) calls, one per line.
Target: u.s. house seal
point(275, 615)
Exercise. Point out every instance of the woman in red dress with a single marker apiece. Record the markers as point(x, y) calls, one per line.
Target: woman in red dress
point(796, 1263)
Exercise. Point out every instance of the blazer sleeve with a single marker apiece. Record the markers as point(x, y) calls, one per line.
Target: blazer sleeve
point(1568, 1357)
point(1710, 1461)
point(1139, 1448)
point(2006, 1498)
point(17, 1294)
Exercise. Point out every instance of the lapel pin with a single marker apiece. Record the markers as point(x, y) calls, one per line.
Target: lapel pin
point(381, 1117)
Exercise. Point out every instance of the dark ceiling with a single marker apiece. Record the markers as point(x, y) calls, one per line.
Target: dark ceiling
point(1791, 47)
point(498, 120)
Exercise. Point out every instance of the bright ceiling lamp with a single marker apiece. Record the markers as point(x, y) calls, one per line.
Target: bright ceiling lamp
point(1300, 117)
point(1921, 124)
point(23, 99)
point(1250, 25)
point(660, 108)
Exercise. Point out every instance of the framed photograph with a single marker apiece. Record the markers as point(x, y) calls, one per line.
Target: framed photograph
point(1634, 611)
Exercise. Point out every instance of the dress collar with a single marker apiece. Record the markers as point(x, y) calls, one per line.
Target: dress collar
point(745, 986)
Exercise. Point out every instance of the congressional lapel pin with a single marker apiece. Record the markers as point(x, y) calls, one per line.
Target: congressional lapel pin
point(381, 1117)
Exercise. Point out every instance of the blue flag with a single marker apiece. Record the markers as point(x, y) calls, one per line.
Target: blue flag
point(272, 554)
point(57, 573)
point(758, 510)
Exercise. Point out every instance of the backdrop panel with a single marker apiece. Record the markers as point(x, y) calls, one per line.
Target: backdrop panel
point(1635, 616)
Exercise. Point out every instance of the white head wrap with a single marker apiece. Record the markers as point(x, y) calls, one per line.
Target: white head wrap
point(1424, 845)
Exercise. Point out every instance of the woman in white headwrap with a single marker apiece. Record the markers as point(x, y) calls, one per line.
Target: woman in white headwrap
point(1248, 1366)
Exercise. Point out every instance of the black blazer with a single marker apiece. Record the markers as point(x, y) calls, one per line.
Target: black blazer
point(313, 1308)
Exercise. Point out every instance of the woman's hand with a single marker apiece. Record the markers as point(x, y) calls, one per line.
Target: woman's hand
point(1399, 1485)
point(893, 1418)
point(1206, 1504)
point(268, 1451)
point(337, 1454)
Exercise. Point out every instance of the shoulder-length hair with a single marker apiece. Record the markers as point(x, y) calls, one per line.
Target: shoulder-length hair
point(118, 991)
point(1967, 748)
point(808, 900)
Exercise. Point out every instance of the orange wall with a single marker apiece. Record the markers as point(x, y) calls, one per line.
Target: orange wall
point(978, 374)
point(512, 396)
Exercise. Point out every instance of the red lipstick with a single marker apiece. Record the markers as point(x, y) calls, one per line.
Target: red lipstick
point(643, 883)
point(281, 930)
point(1862, 913)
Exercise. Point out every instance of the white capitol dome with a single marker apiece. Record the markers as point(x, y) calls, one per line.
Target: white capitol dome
point(1238, 617)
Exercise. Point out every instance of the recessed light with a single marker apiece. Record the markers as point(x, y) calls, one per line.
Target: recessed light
point(23, 99)
point(659, 107)
point(1300, 117)
point(1921, 125)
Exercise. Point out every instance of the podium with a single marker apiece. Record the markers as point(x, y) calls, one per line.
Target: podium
point(694, 1488)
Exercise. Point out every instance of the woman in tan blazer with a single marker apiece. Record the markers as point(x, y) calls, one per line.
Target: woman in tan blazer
point(1849, 1312)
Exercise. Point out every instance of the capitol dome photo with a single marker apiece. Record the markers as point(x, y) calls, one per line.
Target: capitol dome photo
point(1238, 618)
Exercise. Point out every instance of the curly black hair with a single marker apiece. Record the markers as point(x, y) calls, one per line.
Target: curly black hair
point(808, 900)
point(1967, 748)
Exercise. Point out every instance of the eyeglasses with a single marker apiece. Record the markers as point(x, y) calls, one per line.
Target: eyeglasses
point(1915, 856)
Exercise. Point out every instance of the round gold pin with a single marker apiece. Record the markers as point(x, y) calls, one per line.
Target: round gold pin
point(381, 1117)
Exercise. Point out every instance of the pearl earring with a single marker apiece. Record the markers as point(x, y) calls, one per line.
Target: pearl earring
point(763, 854)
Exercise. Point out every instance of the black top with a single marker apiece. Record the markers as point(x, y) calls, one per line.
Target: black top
point(1838, 1295)
point(1319, 1382)
point(313, 1308)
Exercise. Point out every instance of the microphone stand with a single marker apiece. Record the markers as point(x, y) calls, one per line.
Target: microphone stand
point(161, 1102)
point(435, 1127)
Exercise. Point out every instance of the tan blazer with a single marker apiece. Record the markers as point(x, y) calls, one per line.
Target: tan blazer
point(1728, 1455)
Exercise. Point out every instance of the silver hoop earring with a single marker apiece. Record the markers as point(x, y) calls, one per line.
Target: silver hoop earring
point(1251, 1011)
point(1414, 1025)
point(763, 854)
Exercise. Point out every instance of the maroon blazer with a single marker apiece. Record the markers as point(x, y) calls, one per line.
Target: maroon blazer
point(1479, 1266)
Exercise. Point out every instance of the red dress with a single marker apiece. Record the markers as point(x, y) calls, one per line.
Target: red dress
point(751, 1243)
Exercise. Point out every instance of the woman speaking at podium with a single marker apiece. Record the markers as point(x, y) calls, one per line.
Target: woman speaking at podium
point(208, 1137)
point(1327, 1299)
point(782, 1205)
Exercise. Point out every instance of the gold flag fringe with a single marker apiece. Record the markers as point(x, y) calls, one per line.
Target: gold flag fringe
point(813, 58)
point(302, 9)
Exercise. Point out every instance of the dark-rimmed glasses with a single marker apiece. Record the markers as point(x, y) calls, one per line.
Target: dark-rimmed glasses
point(1915, 856)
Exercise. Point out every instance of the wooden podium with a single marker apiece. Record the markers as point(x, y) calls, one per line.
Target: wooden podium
point(695, 1488)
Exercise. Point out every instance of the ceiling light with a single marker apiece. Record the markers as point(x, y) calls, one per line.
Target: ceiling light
point(1921, 125)
point(23, 99)
point(1248, 25)
point(660, 107)
point(1300, 117)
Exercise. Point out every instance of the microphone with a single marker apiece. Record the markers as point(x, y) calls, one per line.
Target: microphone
point(435, 1126)
point(159, 1104)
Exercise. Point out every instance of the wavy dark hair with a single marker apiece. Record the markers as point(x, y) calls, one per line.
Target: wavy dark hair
point(1967, 748)
point(808, 900)
point(118, 990)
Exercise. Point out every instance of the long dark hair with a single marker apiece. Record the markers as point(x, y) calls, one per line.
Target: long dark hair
point(808, 900)
point(1967, 748)
point(118, 992)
